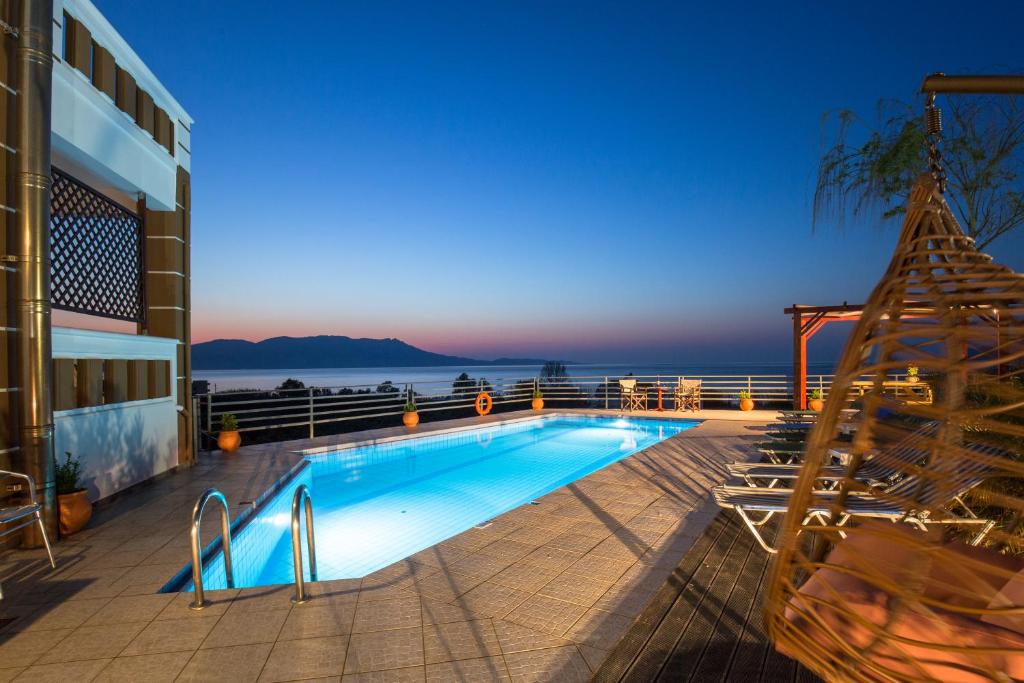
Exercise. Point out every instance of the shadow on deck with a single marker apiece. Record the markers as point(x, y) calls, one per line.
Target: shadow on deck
point(706, 622)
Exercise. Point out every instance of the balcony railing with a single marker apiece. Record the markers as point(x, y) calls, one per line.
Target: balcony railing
point(313, 410)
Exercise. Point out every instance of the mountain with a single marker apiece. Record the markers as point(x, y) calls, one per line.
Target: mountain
point(325, 351)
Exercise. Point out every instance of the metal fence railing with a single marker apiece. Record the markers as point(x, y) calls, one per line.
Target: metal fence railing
point(305, 409)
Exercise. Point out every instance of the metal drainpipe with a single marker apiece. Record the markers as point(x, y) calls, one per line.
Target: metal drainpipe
point(32, 253)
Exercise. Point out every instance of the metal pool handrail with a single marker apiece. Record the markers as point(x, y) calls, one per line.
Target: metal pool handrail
point(197, 550)
point(302, 495)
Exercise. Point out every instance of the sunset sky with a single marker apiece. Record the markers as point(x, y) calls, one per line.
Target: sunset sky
point(592, 181)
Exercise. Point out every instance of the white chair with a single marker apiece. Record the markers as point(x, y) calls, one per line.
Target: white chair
point(632, 398)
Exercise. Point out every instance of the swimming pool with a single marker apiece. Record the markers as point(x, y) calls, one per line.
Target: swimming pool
point(375, 505)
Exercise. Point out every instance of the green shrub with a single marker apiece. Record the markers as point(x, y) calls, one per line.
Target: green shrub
point(228, 422)
point(67, 475)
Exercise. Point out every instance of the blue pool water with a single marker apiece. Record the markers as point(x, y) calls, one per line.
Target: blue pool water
point(378, 504)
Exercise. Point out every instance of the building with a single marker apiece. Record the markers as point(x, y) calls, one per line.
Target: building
point(96, 212)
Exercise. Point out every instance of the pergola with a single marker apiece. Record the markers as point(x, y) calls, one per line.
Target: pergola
point(807, 320)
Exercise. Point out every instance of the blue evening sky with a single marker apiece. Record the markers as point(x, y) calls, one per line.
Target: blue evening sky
point(587, 180)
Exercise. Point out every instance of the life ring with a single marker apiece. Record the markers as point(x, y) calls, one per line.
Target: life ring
point(483, 403)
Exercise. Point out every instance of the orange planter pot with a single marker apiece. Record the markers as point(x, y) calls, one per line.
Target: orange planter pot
point(538, 404)
point(411, 419)
point(229, 441)
point(816, 404)
point(75, 512)
point(746, 404)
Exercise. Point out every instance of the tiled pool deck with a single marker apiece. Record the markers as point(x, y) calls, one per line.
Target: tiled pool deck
point(541, 594)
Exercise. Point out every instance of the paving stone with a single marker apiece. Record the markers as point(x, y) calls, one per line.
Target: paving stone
point(313, 620)
point(562, 664)
point(459, 640)
point(93, 642)
point(385, 650)
point(237, 664)
point(599, 628)
point(413, 674)
point(384, 615)
point(492, 599)
point(62, 672)
point(298, 659)
point(246, 628)
point(482, 670)
point(547, 614)
point(130, 609)
point(171, 635)
point(156, 668)
point(217, 604)
point(513, 637)
point(22, 649)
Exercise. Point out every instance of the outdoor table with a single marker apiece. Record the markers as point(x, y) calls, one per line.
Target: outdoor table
point(660, 408)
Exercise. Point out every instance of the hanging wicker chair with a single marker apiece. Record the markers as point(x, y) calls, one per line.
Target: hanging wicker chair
point(937, 594)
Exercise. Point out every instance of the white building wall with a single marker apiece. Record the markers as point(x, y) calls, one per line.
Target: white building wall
point(119, 444)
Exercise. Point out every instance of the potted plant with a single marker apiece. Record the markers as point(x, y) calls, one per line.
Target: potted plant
point(229, 439)
point(75, 508)
point(746, 403)
point(410, 418)
point(538, 399)
point(912, 374)
point(817, 402)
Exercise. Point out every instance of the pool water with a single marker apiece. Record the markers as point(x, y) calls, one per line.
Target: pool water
point(378, 504)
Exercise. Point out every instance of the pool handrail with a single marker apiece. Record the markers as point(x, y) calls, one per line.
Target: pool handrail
point(197, 551)
point(301, 496)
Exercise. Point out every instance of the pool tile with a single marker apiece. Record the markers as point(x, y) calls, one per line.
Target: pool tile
point(593, 656)
point(459, 640)
point(550, 557)
point(481, 670)
point(480, 566)
point(446, 586)
point(385, 650)
point(309, 658)
point(237, 664)
point(600, 568)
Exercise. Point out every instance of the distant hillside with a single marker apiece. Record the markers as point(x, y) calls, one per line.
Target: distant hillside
point(325, 352)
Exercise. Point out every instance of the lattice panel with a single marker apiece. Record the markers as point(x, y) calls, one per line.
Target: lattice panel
point(96, 252)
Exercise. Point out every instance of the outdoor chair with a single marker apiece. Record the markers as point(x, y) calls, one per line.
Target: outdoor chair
point(631, 396)
point(930, 489)
point(23, 515)
point(687, 394)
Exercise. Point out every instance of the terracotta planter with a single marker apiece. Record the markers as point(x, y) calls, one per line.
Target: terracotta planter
point(229, 441)
point(538, 404)
point(75, 512)
point(746, 404)
point(410, 420)
point(816, 404)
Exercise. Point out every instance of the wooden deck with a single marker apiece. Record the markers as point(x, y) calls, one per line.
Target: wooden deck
point(706, 623)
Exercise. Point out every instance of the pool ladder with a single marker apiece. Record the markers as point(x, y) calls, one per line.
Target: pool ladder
point(301, 496)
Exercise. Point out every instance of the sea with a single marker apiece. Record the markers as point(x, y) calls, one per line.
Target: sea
point(228, 380)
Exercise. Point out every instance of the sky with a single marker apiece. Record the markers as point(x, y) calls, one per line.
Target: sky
point(603, 182)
